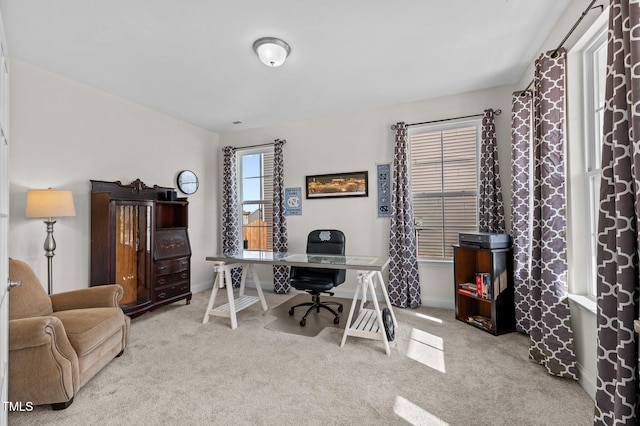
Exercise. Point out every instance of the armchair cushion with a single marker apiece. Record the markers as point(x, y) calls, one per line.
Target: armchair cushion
point(89, 328)
point(96, 334)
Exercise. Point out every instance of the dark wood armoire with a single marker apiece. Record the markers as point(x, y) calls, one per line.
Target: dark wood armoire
point(140, 240)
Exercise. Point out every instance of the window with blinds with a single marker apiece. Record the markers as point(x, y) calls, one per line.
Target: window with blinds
point(256, 198)
point(444, 185)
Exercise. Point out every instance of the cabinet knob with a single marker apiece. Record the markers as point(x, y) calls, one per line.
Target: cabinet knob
point(184, 275)
point(162, 268)
point(162, 295)
point(185, 262)
point(161, 281)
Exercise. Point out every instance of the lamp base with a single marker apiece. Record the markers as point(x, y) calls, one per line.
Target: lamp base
point(49, 248)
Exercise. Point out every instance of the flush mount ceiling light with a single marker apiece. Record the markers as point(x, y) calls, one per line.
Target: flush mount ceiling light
point(271, 51)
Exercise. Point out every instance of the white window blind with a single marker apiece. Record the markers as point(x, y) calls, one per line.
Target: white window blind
point(444, 185)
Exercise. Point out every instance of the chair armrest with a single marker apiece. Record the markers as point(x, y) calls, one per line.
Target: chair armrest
point(102, 296)
point(43, 366)
point(35, 331)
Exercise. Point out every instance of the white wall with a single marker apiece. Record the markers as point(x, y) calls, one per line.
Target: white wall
point(64, 133)
point(356, 142)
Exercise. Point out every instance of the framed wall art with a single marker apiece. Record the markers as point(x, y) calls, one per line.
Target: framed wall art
point(354, 184)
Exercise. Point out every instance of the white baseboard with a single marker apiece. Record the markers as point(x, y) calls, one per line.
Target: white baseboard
point(587, 382)
point(437, 303)
point(200, 287)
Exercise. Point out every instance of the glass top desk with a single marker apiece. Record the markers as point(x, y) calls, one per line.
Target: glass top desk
point(369, 323)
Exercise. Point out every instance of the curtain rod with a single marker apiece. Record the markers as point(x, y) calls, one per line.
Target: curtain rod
point(496, 112)
point(566, 37)
point(284, 141)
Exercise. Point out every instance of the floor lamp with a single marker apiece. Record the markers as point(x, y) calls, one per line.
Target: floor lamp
point(49, 203)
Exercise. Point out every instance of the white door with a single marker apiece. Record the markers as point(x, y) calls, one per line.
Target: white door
point(4, 224)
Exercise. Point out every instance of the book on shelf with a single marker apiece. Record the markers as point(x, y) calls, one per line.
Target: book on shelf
point(483, 284)
point(468, 289)
point(467, 292)
point(486, 286)
point(480, 321)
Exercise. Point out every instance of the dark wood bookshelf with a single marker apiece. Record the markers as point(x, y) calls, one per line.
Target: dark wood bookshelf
point(493, 310)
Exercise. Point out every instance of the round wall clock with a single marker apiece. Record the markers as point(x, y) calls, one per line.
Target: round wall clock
point(187, 182)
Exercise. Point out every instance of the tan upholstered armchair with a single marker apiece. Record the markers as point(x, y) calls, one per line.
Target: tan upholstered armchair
point(58, 342)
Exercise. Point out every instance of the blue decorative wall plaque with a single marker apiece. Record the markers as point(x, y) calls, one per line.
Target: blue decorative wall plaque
point(293, 201)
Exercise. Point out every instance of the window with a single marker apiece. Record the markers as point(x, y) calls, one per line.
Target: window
point(585, 110)
point(444, 185)
point(594, 70)
point(255, 175)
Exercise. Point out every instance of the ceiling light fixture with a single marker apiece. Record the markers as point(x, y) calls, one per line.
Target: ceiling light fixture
point(271, 51)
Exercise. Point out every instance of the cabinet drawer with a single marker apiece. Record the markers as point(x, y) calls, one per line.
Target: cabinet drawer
point(172, 266)
point(168, 279)
point(172, 291)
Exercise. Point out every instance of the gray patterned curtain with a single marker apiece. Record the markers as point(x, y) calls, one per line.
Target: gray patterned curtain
point(520, 205)
point(230, 209)
point(618, 283)
point(404, 281)
point(280, 242)
point(490, 205)
point(538, 217)
point(550, 328)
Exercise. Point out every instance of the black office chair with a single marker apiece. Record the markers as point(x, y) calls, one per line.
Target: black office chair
point(320, 280)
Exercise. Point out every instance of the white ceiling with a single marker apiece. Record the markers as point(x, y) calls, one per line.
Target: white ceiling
point(193, 59)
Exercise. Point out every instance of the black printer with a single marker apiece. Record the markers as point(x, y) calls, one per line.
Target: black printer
point(485, 240)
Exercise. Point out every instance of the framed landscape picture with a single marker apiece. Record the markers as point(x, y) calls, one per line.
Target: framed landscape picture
point(354, 184)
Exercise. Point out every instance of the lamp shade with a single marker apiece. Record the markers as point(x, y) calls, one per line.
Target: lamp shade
point(50, 203)
point(271, 51)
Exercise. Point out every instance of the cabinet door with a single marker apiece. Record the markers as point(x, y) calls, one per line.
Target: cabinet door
point(132, 251)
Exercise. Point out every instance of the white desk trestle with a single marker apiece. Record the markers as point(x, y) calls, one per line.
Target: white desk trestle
point(369, 323)
point(229, 309)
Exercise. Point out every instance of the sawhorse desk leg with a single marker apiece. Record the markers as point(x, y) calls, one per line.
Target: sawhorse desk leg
point(369, 324)
point(233, 306)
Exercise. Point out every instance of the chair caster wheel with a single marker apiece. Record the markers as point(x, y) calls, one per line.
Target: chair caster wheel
point(340, 308)
point(303, 322)
point(336, 320)
point(291, 311)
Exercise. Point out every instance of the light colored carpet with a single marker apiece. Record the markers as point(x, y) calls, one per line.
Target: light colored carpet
point(316, 321)
point(177, 371)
